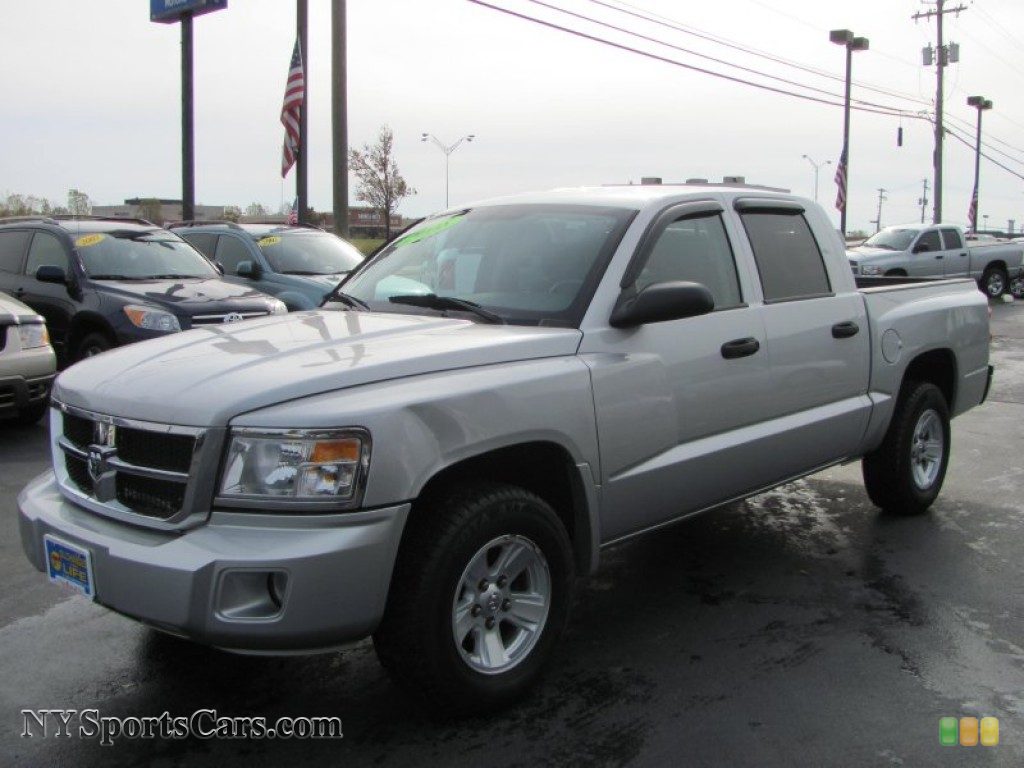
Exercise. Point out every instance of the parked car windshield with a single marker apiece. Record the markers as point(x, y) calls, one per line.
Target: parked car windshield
point(140, 255)
point(309, 253)
point(892, 239)
point(527, 264)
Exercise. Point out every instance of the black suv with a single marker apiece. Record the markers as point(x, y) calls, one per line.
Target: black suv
point(102, 282)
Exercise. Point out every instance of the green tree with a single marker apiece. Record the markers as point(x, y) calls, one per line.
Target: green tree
point(380, 182)
point(232, 213)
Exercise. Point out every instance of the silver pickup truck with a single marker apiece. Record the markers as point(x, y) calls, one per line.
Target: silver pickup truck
point(926, 250)
point(499, 394)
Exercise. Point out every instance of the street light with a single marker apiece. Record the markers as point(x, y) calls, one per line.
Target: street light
point(447, 149)
point(817, 166)
point(981, 104)
point(846, 38)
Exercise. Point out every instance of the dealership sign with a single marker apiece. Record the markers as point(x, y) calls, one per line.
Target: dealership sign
point(168, 11)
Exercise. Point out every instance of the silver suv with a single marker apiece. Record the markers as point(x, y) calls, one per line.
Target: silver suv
point(27, 362)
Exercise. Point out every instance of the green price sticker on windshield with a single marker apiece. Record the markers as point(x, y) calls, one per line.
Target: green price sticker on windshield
point(268, 241)
point(88, 240)
point(429, 230)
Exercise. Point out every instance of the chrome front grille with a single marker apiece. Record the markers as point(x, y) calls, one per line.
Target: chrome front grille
point(137, 471)
point(226, 317)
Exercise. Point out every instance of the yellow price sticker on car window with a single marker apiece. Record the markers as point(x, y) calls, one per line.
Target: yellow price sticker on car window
point(267, 241)
point(87, 240)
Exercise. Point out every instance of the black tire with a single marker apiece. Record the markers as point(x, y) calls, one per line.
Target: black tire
point(31, 414)
point(415, 641)
point(994, 282)
point(889, 471)
point(93, 344)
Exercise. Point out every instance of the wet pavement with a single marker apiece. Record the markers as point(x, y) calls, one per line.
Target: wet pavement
point(801, 627)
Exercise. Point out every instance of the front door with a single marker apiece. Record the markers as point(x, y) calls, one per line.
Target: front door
point(957, 261)
point(928, 255)
point(51, 300)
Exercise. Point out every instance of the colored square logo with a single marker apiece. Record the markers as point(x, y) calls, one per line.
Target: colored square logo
point(948, 731)
point(989, 731)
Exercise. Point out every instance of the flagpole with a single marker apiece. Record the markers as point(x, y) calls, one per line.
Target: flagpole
point(301, 180)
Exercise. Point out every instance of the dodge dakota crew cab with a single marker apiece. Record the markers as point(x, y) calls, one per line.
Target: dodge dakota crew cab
point(501, 392)
point(927, 250)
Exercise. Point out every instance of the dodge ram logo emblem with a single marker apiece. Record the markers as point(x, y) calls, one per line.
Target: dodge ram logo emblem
point(97, 463)
point(233, 317)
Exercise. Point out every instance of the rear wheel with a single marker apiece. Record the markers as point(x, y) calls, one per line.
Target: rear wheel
point(905, 474)
point(93, 344)
point(479, 598)
point(994, 282)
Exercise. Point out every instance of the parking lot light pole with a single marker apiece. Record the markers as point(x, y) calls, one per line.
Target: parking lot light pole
point(188, 163)
point(846, 38)
point(817, 167)
point(447, 149)
point(981, 104)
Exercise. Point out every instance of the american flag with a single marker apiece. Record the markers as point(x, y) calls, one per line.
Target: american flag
point(294, 93)
point(972, 212)
point(293, 214)
point(841, 182)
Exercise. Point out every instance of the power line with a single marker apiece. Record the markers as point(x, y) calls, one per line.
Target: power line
point(664, 21)
point(674, 47)
point(888, 111)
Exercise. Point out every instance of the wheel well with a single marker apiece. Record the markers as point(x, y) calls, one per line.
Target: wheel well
point(897, 273)
point(546, 469)
point(83, 326)
point(938, 367)
point(996, 265)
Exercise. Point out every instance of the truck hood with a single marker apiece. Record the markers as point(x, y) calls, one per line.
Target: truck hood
point(207, 376)
point(866, 252)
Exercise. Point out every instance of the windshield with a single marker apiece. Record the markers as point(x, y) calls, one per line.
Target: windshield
point(140, 255)
point(309, 253)
point(892, 239)
point(527, 264)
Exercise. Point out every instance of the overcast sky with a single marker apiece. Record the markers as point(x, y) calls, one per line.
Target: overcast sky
point(91, 97)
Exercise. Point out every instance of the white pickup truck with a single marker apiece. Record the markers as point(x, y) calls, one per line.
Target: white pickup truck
point(926, 250)
point(499, 394)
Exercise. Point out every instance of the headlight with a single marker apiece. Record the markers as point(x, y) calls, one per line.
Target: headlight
point(152, 319)
point(278, 307)
point(867, 269)
point(33, 335)
point(300, 465)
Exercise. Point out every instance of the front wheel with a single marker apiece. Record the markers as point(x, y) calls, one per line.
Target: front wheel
point(479, 598)
point(994, 282)
point(93, 344)
point(905, 474)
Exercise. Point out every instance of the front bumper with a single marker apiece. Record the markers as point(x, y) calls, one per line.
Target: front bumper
point(19, 392)
point(210, 584)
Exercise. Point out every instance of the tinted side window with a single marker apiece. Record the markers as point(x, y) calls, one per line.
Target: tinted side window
point(931, 240)
point(204, 241)
point(952, 238)
point(12, 250)
point(695, 250)
point(46, 251)
point(787, 256)
point(230, 251)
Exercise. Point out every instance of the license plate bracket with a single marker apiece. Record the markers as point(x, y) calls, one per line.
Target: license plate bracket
point(69, 565)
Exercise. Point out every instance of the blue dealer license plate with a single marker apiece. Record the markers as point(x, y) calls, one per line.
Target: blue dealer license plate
point(68, 564)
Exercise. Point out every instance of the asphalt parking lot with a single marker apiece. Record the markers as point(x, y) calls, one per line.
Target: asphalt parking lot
point(801, 627)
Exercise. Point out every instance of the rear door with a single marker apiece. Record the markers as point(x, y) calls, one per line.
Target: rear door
point(817, 330)
point(956, 261)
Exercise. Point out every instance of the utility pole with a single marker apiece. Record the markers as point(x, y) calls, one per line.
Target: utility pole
point(943, 56)
point(981, 104)
point(881, 199)
point(923, 199)
point(339, 116)
point(301, 180)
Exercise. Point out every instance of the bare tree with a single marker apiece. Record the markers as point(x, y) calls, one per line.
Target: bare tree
point(232, 213)
point(380, 183)
point(256, 210)
point(79, 203)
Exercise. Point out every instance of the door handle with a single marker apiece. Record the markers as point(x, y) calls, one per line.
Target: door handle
point(962, 255)
point(939, 256)
point(845, 330)
point(740, 348)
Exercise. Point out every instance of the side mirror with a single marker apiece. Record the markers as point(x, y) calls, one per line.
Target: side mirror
point(219, 266)
point(49, 274)
point(248, 269)
point(659, 302)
